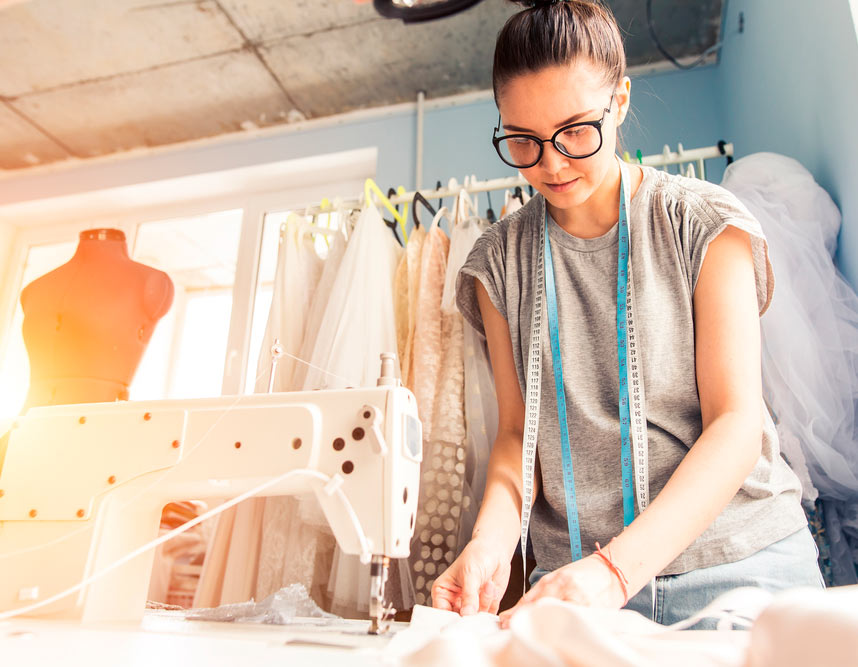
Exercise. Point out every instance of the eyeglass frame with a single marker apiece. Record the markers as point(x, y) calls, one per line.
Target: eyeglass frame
point(496, 140)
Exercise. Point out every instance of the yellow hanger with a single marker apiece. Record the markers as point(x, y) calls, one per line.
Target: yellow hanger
point(370, 187)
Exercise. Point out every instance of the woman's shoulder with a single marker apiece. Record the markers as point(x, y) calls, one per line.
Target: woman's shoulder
point(688, 197)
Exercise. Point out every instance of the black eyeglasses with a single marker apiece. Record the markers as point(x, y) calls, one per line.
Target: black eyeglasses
point(577, 140)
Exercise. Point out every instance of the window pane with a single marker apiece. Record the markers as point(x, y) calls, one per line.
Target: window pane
point(185, 358)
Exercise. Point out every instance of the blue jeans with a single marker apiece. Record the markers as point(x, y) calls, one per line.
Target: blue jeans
point(788, 563)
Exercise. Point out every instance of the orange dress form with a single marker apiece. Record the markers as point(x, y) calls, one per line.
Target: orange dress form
point(87, 323)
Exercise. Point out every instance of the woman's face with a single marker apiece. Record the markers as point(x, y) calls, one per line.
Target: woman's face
point(540, 103)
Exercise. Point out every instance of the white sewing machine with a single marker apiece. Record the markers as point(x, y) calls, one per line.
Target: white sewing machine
point(83, 486)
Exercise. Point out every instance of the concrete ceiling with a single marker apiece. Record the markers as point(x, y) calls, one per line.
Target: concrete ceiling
point(83, 78)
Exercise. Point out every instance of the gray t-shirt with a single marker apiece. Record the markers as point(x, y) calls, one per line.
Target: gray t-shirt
point(672, 221)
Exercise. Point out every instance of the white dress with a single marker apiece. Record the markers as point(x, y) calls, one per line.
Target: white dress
point(356, 327)
point(297, 546)
point(233, 558)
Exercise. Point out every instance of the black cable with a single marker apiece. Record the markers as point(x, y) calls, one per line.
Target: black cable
point(664, 52)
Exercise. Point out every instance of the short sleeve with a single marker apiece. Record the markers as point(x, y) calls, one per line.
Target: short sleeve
point(485, 262)
point(716, 209)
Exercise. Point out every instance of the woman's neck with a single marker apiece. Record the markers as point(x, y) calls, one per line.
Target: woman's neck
point(596, 216)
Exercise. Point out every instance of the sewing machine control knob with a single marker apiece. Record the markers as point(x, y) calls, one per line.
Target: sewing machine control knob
point(388, 370)
point(371, 417)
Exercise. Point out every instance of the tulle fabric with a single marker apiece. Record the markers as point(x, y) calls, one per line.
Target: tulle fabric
point(356, 327)
point(810, 337)
point(237, 552)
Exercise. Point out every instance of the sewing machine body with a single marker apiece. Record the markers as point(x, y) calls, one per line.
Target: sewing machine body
point(84, 485)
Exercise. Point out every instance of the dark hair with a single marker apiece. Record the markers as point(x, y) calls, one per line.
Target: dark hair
point(553, 32)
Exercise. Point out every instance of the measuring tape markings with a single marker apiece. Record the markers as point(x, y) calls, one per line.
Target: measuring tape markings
point(632, 417)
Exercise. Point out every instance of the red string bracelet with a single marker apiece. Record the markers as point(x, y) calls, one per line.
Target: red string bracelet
point(616, 570)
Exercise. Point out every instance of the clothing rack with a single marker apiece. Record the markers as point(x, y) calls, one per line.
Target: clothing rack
point(664, 159)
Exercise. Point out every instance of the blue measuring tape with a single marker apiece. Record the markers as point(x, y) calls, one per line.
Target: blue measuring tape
point(622, 355)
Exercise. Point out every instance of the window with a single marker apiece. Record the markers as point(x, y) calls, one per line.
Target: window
point(214, 234)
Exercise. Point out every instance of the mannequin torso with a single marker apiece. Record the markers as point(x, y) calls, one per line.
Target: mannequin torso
point(87, 323)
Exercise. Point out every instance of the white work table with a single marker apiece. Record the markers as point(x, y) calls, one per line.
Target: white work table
point(166, 638)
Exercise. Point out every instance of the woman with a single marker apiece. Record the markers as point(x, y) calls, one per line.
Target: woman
point(725, 507)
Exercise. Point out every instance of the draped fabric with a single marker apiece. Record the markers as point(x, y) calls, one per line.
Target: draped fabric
point(810, 341)
point(230, 571)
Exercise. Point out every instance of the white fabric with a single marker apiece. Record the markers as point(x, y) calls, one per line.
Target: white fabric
point(241, 557)
point(807, 627)
point(480, 401)
point(336, 250)
point(356, 327)
point(295, 280)
point(810, 333)
point(552, 633)
point(358, 323)
point(513, 203)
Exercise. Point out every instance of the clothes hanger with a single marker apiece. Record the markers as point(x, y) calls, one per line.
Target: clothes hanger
point(370, 188)
point(464, 206)
point(721, 149)
point(419, 198)
point(490, 214)
point(443, 212)
point(391, 224)
point(440, 199)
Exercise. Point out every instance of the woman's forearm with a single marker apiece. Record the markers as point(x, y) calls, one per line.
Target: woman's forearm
point(499, 519)
point(703, 484)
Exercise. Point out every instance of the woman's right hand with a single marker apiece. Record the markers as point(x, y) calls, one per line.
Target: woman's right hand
point(476, 581)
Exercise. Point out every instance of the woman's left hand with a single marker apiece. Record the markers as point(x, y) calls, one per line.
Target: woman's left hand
point(588, 582)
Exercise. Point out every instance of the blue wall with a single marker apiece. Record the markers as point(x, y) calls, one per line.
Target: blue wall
point(789, 84)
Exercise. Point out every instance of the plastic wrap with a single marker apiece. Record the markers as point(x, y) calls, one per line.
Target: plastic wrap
point(280, 608)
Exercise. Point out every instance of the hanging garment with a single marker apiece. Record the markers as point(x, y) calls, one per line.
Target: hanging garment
point(481, 410)
point(357, 326)
point(232, 562)
point(297, 545)
point(810, 338)
point(453, 428)
point(438, 508)
point(406, 286)
point(358, 323)
point(321, 294)
point(427, 334)
point(513, 202)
